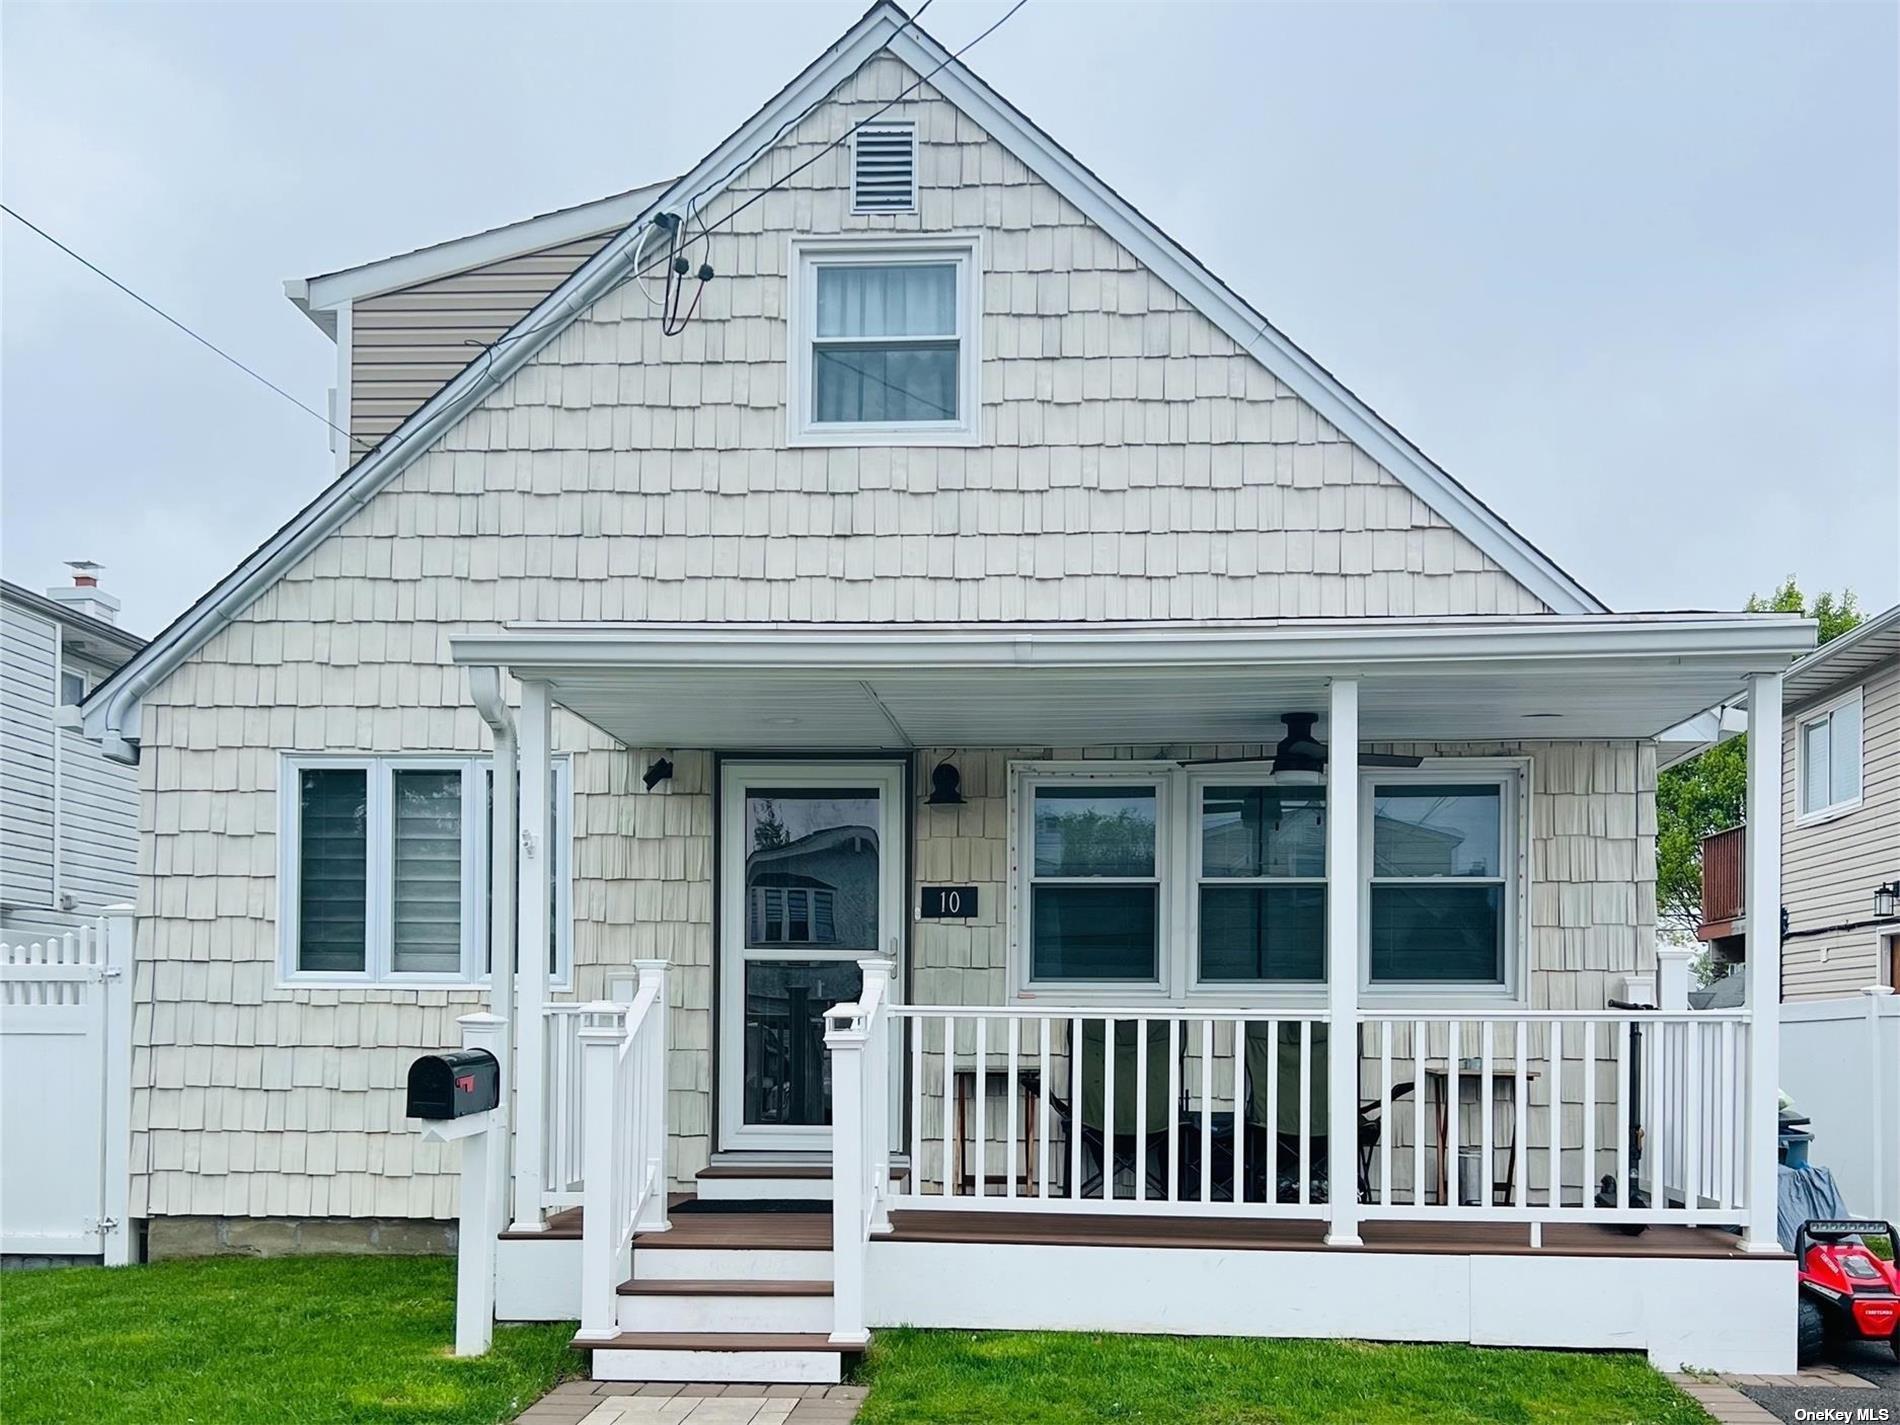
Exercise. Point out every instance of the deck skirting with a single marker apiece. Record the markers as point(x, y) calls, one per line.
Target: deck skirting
point(1717, 1312)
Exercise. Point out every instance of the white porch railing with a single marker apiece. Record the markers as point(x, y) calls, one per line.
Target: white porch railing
point(1029, 1109)
point(564, 1094)
point(623, 1118)
point(1627, 1117)
point(1620, 1116)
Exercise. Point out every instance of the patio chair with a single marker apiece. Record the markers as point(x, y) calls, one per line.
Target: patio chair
point(1284, 1118)
point(1128, 1148)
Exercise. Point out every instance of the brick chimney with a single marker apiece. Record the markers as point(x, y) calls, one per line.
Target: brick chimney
point(85, 596)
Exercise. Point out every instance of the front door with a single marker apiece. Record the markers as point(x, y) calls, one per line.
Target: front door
point(811, 881)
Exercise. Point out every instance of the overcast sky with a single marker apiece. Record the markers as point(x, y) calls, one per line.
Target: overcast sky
point(1627, 271)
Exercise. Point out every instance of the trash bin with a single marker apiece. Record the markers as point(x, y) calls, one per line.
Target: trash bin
point(1471, 1184)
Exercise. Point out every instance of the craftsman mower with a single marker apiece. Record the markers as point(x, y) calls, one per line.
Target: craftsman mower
point(1847, 1293)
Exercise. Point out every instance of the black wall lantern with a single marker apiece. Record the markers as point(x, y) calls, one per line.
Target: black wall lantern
point(1887, 901)
point(945, 786)
point(660, 771)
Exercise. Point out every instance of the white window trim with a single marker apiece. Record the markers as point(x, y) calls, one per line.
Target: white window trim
point(1292, 994)
point(379, 891)
point(1024, 778)
point(1803, 721)
point(807, 255)
point(1513, 776)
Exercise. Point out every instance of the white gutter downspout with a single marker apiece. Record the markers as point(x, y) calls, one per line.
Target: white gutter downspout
point(485, 687)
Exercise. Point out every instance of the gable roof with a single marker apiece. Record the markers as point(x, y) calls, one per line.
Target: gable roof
point(112, 710)
point(1851, 655)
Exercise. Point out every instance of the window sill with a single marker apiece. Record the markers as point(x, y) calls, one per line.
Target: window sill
point(364, 982)
point(872, 437)
point(1825, 815)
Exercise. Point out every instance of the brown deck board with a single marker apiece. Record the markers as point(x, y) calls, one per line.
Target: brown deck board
point(667, 1286)
point(1270, 1235)
point(564, 1226)
point(775, 1231)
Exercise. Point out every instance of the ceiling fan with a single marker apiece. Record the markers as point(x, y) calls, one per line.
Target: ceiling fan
point(1300, 757)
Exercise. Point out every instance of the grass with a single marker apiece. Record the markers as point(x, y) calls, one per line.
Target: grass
point(310, 1340)
point(1054, 1378)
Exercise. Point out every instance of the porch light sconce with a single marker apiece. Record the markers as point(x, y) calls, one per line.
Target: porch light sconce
point(1887, 901)
point(946, 786)
point(660, 771)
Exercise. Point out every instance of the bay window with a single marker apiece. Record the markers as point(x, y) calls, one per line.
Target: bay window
point(384, 870)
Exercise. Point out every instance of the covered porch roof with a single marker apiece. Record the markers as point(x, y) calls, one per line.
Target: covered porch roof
point(814, 686)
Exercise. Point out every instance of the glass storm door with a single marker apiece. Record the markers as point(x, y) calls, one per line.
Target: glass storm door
point(810, 876)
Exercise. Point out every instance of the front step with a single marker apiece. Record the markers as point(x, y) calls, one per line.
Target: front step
point(756, 1180)
point(786, 1308)
point(800, 1359)
point(737, 1246)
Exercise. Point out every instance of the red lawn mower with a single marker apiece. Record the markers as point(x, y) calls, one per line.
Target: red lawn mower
point(1847, 1293)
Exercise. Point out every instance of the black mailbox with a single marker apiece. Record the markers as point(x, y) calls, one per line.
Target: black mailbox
point(454, 1085)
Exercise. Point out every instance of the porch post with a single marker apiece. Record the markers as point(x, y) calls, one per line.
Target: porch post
point(1762, 896)
point(1342, 963)
point(531, 964)
point(501, 944)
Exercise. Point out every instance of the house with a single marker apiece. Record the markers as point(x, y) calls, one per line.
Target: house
point(68, 814)
point(964, 549)
point(1840, 824)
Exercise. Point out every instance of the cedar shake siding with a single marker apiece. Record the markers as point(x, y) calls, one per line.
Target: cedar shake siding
point(1134, 464)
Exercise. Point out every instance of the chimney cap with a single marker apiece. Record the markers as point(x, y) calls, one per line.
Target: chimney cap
point(85, 573)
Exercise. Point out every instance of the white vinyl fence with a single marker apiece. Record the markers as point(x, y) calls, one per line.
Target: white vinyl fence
point(1840, 1065)
point(65, 1063)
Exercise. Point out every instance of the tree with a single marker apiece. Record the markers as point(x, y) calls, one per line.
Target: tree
point(769, 831)
point(1709, 793)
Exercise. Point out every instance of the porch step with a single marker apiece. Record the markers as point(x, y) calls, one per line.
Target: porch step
point(792, 1358)
point(737, 1246)
point(765, 1180)
point(727, 1307)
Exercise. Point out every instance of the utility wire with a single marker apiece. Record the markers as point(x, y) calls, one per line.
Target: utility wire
point(160, 311)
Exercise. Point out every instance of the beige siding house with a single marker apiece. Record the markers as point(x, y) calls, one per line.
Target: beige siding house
point(1841, 813)
point(971, 554)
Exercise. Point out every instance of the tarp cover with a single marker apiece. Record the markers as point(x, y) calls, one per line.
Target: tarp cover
point(1802, 1195)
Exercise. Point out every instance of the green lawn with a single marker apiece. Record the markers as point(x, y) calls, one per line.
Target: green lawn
point(945, 1377)
point(309, 1340)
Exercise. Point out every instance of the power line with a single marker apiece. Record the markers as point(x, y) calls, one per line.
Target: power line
point(160, 311)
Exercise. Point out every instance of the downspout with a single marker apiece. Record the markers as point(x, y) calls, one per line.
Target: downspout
point(485, 689)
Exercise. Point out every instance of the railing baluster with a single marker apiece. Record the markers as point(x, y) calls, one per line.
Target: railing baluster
point(1520, 1113)
point(982, 1095)
point(1042, 1114)
point(950, 1164)
point(1451, 1196)
point(1625, 1092)
point(1556, 1198)
point(1141, 1109)
point(1009, 1094)
point(1075, 1109)
point(915, 1028)
point(1725, 1131)
point(1419, 1095)
point(1207, 1110)
point(1692, 1119)
point(1486, 1172)
point(1108, 1107)
point(1174, 1109)
point(1385, 1113)
point(1589, 1109)
point(1240, 1109)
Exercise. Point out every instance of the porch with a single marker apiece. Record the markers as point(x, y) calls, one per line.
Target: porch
point(1164, 1158)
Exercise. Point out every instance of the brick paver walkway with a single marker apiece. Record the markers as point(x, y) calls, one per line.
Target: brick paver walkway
point(590, 1402)
point(1721, 1396)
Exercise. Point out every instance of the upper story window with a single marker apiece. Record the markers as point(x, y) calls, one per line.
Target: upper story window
point(72, 688)
point(1828, 753)
point(883, 342)
point(384, 874)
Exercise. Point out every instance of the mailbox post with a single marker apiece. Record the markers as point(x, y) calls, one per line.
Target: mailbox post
point(455, 1096)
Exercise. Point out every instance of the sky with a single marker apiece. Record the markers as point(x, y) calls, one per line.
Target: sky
point(1630, 272)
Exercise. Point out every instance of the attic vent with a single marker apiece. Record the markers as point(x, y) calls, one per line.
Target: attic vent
point(884, 179)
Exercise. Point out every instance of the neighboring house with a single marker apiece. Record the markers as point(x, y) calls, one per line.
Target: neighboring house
point(68, 814)
point(1840, 817)
point(962, 476)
